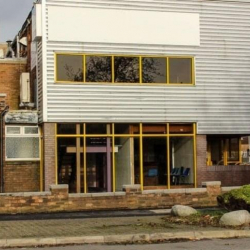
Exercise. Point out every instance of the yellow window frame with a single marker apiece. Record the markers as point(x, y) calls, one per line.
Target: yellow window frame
point(141, 135)
point(225, 152)
point(140, 57)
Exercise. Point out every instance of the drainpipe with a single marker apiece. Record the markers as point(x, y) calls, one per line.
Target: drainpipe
point(6, 109)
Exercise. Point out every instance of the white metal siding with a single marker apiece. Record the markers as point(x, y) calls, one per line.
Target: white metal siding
point(219, 102)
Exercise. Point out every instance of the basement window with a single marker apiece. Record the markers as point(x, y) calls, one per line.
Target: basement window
point(22, 143)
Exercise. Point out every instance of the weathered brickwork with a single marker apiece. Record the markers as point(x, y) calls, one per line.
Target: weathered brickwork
point(59, 200)
point(10, 71)
point(49, 154)
point(2, 102)
point(21, 177)
point(232, 175)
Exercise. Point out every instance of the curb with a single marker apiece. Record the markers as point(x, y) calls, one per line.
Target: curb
point(124, 239)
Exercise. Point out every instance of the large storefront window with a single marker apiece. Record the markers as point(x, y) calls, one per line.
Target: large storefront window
point(228, 150)
point(103, 157)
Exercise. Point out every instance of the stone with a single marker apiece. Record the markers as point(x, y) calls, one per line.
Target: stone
point(182, 211)
point(235, 218)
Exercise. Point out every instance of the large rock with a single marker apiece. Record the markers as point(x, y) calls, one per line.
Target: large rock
point(236, 218)
point(182, 211)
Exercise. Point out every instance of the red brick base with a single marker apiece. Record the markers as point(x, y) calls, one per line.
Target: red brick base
point(21, 177)
point(60, 200)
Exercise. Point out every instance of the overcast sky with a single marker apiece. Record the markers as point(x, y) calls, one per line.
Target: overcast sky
point(13, 14)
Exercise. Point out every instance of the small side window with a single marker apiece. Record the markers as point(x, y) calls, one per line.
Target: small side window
point(22, 143)
point(180, 70)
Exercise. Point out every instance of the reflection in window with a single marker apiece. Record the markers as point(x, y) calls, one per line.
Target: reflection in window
point(180, 70)
point(127, 69)
point(69, 68)
point(154, 70)
point(98, 69)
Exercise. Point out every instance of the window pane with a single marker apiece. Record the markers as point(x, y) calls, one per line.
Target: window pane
point(180, 70)
point(13, 130)
point(181, 128)
point(216, 147)
point(154, 128)
point(99, 164)
point(155, 161)
point(136, 149)
point(70, 157)
point(98, 69)
point(23, 148)
point(67, 129)
point(31, 130)
point(154, 70)
point(98, 128)
point(233, 149)
point(182, 160)
point(124, 162)
point(69, 68)
point(124, 128)
point(245, 152)
point(127, 69)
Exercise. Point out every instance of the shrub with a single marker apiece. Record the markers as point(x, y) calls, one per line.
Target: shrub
point(236, 199)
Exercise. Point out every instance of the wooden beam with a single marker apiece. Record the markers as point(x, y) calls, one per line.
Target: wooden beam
point(100, 149)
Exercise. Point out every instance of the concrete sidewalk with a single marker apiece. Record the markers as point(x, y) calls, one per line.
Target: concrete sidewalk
point(109, 230)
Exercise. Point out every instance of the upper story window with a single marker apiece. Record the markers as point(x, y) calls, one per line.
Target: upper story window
point(22, 143)
point(73, 68)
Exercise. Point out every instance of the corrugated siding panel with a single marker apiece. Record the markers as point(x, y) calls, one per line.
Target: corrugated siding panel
point(219, 102)
point(40, 81)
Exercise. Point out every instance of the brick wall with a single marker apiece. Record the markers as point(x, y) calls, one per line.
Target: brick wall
point(10, 71)
point(60, 200)
point(21, 177)
point(49, 154)
point(232, 175)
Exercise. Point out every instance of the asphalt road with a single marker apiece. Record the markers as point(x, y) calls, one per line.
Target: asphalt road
point(226, 244)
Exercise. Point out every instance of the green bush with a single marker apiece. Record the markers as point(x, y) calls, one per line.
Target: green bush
point(236, 199)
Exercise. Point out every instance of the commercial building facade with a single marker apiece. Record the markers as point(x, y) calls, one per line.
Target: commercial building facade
point(139, 92)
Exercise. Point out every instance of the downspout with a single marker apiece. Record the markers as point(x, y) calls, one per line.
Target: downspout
point(6, 109)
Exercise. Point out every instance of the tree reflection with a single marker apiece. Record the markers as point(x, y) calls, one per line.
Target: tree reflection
point(72, 74)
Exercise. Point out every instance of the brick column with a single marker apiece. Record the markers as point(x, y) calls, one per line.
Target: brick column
point(201, 142)
point(49, 155)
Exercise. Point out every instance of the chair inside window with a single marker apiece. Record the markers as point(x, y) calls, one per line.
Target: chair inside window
point(184, 175)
